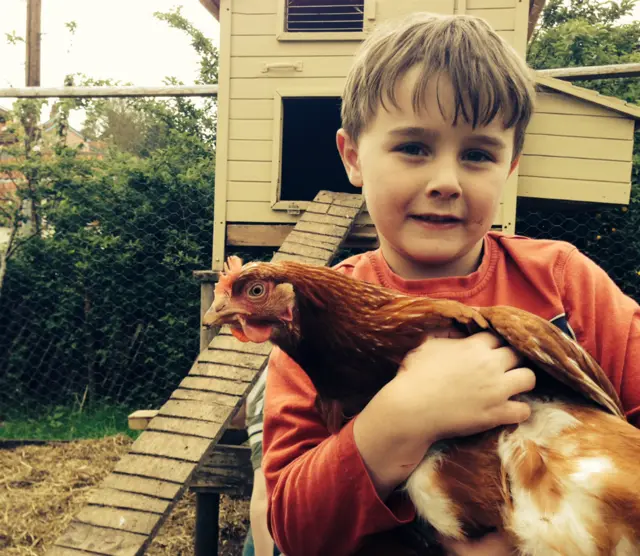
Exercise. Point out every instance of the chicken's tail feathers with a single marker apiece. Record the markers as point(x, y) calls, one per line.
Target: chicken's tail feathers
point(554, 352)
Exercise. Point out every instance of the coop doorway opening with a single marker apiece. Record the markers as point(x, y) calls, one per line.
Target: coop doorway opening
point(310, 158)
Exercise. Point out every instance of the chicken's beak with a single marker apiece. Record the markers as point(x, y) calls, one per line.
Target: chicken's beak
point(215, 313)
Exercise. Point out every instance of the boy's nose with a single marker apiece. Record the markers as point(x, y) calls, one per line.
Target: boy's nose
point(443, 182)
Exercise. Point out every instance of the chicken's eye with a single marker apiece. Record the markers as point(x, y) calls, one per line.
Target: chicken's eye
point(256, 290)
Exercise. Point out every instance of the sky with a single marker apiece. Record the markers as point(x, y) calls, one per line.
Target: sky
point(117, 39)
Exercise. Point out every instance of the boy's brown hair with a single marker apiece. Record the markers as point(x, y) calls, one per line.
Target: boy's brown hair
point(487, 74)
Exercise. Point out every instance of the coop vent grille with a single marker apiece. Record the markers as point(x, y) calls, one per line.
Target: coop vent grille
point(324, 16)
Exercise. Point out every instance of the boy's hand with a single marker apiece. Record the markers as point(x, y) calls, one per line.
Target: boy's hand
point(462, 386)
point(447, 387)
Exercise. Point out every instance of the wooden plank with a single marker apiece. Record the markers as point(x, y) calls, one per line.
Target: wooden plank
point(98, 540)
point(577, 169)
point(558, 103)
point(301, 259)
point(240, 109)
point(326, 219)
point(501, 19)
point(318, 208)
point(233, 358)
point(124, 520)
point(249, 171)
point(488, 4)
point(241, 88)
point(581, 126)
point(349, 212)
point(593, 72)
point(574, 190)
point(189, 409)
point(321, 229)
point(253, 24)
point(141, 485)
point(208, 397)
point(578, 147)
point(63, 551)
point(292, 248)
point(263, 45)
point(113, 498)
point(249, 191)
point(254, 6)
point(138, 420)
point(251, 151)
point(238, 374)
point(251, 130)
point(214, 385)
point(191, 427)
point(232, 344)
point(257, 212)
point(316, 66)
point(313, 240)
point(181, 447)
point(154, 467)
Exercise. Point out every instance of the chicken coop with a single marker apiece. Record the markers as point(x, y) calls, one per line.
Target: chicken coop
point(282, 68)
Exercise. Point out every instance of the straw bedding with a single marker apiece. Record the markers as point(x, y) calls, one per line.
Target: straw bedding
point(43, 486)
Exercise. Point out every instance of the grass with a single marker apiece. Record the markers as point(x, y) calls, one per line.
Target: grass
point(67, 423)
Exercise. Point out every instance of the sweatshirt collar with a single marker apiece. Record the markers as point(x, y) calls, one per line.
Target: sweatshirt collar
point(456, 287)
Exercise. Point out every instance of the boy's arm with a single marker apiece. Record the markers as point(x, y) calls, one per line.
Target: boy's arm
point(321, 498)
point(607, 324)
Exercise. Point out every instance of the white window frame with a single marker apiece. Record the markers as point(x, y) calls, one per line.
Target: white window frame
point(367, 25)
point(277, 137)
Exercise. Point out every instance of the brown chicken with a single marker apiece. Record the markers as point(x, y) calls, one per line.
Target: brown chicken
point(564, 482)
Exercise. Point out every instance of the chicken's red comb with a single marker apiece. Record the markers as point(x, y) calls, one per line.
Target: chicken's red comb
point(230, 269)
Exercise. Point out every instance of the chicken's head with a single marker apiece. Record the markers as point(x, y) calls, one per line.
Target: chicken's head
point(253, 302)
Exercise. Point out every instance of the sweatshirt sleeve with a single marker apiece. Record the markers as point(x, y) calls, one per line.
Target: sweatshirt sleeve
point(321, 499)
point(607, 324)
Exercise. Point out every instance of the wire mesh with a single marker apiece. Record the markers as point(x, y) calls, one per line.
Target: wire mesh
point(608, 234)
point(99, 308)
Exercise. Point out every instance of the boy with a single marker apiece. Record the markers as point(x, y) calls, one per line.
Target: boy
point(434, 115)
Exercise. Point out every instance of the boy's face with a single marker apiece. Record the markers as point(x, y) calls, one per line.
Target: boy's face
point(432, 189)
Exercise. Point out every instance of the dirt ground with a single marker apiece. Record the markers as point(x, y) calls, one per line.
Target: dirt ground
point(43, 487)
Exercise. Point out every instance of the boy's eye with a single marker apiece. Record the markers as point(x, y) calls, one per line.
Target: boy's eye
point(478, 156)
point(412, 149)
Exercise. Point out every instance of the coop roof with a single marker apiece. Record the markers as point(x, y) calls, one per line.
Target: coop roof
point(213, 6)
point(612, 103)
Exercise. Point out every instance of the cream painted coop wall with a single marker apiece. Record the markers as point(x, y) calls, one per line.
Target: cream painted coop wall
point(263, 64)
point(576, 150)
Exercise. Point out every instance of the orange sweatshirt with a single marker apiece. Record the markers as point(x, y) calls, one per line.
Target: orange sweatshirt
point(321, 499)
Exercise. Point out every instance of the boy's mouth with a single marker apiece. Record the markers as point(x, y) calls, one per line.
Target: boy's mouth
point(437, 218)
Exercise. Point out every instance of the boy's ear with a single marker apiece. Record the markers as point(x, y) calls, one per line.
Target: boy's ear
point(514, 164)
point(349, 153)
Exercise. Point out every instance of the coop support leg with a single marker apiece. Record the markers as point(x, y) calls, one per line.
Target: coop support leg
point(207, 523)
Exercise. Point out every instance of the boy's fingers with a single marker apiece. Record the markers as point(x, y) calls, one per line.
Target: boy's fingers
point(519, 380)
point(509, 358)
point(489, 339)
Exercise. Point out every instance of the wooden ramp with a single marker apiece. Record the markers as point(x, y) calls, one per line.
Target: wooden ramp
point(125, 512)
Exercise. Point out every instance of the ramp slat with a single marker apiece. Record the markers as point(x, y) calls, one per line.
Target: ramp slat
point(155, 467)
point(127, 500)
point(191, 409)
point(98, 540)
point(191, 427)
point(153, 487)
point(203, 396)
point(182, 447)
point(213, 385)
point(235, 358)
